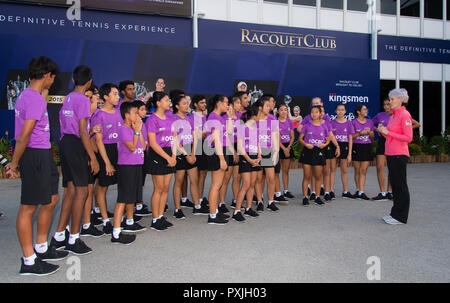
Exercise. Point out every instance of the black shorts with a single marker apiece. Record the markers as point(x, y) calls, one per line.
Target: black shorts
point(129, 184)
point(183, 164)
point(330, 151)
point(214, 160)
point(157, 164)
point(39, 175)
point(74, 161)
point(283, 156)
point(278, 167)
point(381, 145)
point(266, 158)
point(245, 167)
point(314, 157)
point(202, 162)
point(236, 150)
point(113, 155)
point(362, 152)
point(343, 146)
point(92, 177)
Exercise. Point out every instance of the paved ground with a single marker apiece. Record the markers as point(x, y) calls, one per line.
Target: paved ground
point(315, 244)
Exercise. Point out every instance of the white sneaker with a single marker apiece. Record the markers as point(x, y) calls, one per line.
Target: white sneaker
point(393, 221)
point(387, 218)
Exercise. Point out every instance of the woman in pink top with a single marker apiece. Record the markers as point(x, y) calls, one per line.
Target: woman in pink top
point(398, 133)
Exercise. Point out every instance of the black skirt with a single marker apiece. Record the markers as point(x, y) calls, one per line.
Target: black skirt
point(362, 152)
point(314, 156)
point(157, 164)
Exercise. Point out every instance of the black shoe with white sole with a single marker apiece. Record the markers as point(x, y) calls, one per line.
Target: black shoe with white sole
point(390, 196)
point(217, 220)
point(187, 204)
point(158, 225)
point(289, 195)
point(123, 239)
point(332, 195)
point(225, 216)
point(108, 228)
point(203, 210)
point(39, 268)
point(272, 207)
point(319, 201)
point(60, 244)
point(143, 212)
point(380, 197)
point(223, 209)
point(52, 254)
point(238, 217)
point(133, 228)
point(165, 222)
point(260, 207)
point(363, 196)
point(251, 213)
point(312, 197)
point(79, 248)
point(280, 198)
point(305, 201)
point(347, 195)
point(233, 204)
point(179, 215)
point(92, 231)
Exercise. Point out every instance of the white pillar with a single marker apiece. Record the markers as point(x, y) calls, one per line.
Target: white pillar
point(318, 5)
point(444, 72)
point(290, 4)
point(260, 11)
point(344, 18)
point(194, 25)
point(421, 98)
point(228, 10)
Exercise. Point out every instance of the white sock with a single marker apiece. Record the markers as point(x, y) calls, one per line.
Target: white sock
point(154, 220)
point(361, 192)
point(220, 204)
point(197, 206)
point(212, 216)
point(270, 202)
point(87, 225)
point(285, 191)
point(60, 236)
point(383, 193)
point(277, 194)
point(201, 200)
point(97, 210)
point(105, 221)
point(41, 248)
point(130, 221)
point(72, 238)
point(176, 210)
point(116, 232)
point(139, 206)
point(183, 199)
point(234, 201)
point(327, 193)
point(68, 228)
point(313, 192)
point(217, 211)
point(321, 185)
point(29, 260)
point(160, 217)
point(237, 211)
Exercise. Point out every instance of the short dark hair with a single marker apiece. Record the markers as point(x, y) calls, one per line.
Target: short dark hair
point(138, 103)
point(240, 94)
point(267, 97)
point(175, 92)
point(81, 75)
point(340, 104)
point(316, 106)
point(92, 88)
point(157, 96)
point(105, 89)
point(198, 98)
point(126, 107)
point(123, 85)
point(358, 108)
point(176, 101)
point(39, 66)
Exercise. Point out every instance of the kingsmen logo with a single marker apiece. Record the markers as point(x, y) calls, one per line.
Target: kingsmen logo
point(266, 38)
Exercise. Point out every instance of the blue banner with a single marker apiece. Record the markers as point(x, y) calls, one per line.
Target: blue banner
point(413, 49)
point(281, 39)
point(16, 19)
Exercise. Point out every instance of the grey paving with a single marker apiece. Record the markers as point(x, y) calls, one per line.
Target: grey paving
point(298, 244)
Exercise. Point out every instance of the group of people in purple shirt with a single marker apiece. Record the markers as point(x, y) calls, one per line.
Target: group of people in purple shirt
point(120, 143)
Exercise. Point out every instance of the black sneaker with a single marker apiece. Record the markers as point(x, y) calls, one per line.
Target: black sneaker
point(203, 210)
point(233, 204)
point(355, 196)
point(143, 212)
point(187, 204)
point(363, 196)
point(205, 201)
point(97, 215)
point(260, 207)
point(390, 196)
point(281, 198)
point(123, 239)
point(92, 231)
point(289, 195)
point(305, 201)
point(79, 248)
point(251, 213)
point(134, 228)
point(380, 197)
point(2, 215)
point(52, 254)
point(179, 214)
point(39, 268)
point(225, 216)
point(108, 228)
point(223, 209)
point(166, 223)
point(332, 195)
point(59, 244)
point(238, 217)
point(137, 218)
point(272, 207)
point(347, 195)
point(95, 220)
point(312, 197)
point(322, 191)
point(319, 201)
point(327, 197)
point(110, 215)
point(218, 220)
point(158, 225)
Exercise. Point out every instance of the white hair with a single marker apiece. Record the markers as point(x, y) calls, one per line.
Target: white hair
point(400, 93)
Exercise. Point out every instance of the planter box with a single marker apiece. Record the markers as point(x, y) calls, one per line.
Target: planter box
point(443, 158)
point(422, 159)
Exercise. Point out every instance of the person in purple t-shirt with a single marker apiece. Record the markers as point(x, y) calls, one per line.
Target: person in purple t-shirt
point(162, 154)
point(342, 130)
point(39, 182)
point(382, 118)
point(130, 146)
point(286, 140)
point(315, 137)
point(76, 152)
point(362, 149)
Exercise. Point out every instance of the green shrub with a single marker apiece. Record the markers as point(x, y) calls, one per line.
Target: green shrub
point(414, 149)
point(297, 148)
point(437, 145)
point(447, 141)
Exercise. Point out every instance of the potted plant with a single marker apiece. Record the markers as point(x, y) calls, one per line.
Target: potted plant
point(7, 150)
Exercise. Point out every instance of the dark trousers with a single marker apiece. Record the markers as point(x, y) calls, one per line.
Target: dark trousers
point(400, 191)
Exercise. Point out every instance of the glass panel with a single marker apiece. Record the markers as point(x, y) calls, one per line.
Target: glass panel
point(433, 9)
point(305, 2)
point(388, 7)
point(357, 5)
point(338, 4)
point(431, 108)
point(410, 8)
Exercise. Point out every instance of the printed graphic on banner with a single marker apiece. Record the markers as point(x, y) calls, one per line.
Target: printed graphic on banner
point(164, 7)
point(16, 82)
point(257, 88)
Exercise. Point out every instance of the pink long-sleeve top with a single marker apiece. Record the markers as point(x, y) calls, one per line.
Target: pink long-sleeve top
point(400, 133)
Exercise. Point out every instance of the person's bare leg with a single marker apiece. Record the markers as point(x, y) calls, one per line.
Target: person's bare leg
point(363, 172)
point(44, 220)
point(66, 207)
point(344, 174)
point(216, 183)
point(177, 187)
point(332, 173)
point(226, 181)
point(100, 198)
point(193, 179)
point(357, 166)
point(246, 179)
point(285, 163)
point(270, 177)
point(165, 193)
point(24, 227)
point(79, 200)
point(307, 173)
point(88, 205)
point(236, 182)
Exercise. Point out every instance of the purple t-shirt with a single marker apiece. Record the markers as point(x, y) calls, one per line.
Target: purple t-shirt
point(199, 121)
point(162, 128)
point(30, 105)
point(216, 122)
point(382, 118)
point(342, 131)
point(265, 129)
point(365, 139)
point(183, 128)
point(285, 130)
point(126, 156)
point(251, 139)
point(76, 107)
point(308, 119)
point(110, 123)
point(236, 124)
point(145, 134)
point(315, 135)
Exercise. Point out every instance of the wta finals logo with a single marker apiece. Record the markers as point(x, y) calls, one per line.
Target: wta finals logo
point(14, 89)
